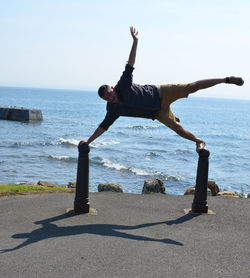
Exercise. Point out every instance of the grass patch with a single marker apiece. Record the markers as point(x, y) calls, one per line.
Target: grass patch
point(21, 189)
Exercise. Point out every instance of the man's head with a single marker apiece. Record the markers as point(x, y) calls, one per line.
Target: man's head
point(107, 93)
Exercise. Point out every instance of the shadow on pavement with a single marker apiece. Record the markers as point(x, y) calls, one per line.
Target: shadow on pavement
point(49, 230)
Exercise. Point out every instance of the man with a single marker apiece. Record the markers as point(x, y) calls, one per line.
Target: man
point(150, 101)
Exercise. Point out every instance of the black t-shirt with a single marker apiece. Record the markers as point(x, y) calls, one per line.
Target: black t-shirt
point(137, 100)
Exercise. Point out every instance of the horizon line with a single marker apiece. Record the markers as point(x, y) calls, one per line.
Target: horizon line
point(94, 91)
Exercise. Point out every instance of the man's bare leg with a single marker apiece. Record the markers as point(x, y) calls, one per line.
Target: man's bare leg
point(180, 130)
point(207, 83)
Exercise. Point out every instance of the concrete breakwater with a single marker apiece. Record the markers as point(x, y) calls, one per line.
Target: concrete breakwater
point(20, 114)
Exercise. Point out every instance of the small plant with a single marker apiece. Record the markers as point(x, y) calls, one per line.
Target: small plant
point(20, 189)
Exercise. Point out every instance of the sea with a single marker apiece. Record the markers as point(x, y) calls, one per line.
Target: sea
point(131, 151)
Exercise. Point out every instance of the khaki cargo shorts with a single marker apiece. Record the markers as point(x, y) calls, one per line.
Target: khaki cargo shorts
point(169, 94)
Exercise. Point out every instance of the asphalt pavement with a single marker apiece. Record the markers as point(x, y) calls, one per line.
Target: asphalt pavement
point(130, 236)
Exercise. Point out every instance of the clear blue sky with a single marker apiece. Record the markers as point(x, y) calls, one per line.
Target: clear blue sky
point(82, 44)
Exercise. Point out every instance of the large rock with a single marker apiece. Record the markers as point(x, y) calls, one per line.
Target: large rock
point(191, 191)
point(46, 184)
point(212, 190)
point(110, 187)
point(227, 193)
point(213, 187)
point(153, 186)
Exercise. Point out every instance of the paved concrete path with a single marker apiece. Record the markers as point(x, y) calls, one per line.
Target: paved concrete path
point(131, 236)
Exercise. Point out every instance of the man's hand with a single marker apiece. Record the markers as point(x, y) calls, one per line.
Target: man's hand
point(134, 33)
point(82, 142)
point(132, 55)
point(98, 132)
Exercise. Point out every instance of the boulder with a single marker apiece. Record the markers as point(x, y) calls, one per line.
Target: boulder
point(153, 186)
point(213, 187)
point(191, 190)
point(110, 187)
point(46, 184)
point(71, 184)
point(227, 193)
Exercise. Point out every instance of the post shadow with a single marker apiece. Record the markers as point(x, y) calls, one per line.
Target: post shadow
point(50, 230)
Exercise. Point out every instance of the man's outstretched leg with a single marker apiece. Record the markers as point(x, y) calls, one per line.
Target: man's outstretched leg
point(170, 93)
point(207, 83)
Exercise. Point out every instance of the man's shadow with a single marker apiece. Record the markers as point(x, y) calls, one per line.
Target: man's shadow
point(49, 230)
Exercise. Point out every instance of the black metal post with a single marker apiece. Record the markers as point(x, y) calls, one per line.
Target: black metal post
point(81, 203)
point(200, 196)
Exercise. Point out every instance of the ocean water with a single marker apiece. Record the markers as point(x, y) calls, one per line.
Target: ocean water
point(131, 151)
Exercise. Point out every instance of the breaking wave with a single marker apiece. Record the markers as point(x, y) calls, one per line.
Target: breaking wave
point(179, 151)
point(139, 172)
point(69, 142)
point(100, 143)
point(19, 144)
point(74, 142)
point(116, 166)
point(144, 126)
point(62, 158)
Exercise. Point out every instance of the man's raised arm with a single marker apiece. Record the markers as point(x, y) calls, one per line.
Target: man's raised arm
point(132, 55)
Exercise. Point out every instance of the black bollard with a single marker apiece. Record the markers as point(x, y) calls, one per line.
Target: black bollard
point(200, 196)
point(81, 203)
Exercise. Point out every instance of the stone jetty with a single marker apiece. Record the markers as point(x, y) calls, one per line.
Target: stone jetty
point(20, 114)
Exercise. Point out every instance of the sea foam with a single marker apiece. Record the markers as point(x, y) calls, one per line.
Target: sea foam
point(138, 172)
point(63, 158)
point(101, 142)
point(144, 126)
point(69, 142)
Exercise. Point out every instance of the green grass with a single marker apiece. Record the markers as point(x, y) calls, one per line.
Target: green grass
point(20, 189)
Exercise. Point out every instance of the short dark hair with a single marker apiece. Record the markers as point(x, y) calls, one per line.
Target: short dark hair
point(102, 90)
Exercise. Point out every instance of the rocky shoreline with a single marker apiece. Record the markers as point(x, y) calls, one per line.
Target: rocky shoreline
point(150, 186)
